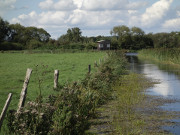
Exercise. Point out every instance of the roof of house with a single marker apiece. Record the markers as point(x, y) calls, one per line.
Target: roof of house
point(100, 41)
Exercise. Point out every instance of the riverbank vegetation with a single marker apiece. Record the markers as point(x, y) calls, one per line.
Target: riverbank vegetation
point(132, 111)
point(169, 56)
point(136, 112)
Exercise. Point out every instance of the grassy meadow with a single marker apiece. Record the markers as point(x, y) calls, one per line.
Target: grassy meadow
point(13, 66)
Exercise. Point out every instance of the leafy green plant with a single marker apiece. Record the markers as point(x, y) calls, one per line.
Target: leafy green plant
point(74, 106)
point(34, 118)
point(102, 80)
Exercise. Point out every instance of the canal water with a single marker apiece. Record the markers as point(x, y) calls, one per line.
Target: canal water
point(169, 86)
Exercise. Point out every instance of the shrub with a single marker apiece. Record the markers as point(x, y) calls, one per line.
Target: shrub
point(74, 106)
point(34, 118)
point(10, 46)
point(107, 73)
point(34, 44)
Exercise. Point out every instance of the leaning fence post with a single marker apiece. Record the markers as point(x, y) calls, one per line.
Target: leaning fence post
point(24, 89)
point(5, 109)
point(89, 68)
point(56, 76)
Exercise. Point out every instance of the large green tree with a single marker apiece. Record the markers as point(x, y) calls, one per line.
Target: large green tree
point(137, 31)
point(122, 33)
point(29, 36)
point(73, 35)
point(166, 40)
point(130, 38)
point(4, 30)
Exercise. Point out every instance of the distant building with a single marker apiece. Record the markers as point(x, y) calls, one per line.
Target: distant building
point(104, 45)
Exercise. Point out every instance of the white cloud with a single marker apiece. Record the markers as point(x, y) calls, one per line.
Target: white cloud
point(61, 5)
point(44, 18)
point(97, 19)
point(131, 12)
point(136, 5)
point(155, 13)
point(178, 13)
point(134, 20)
point(6, 5)
point(77, 17)
point(104, 4)
point(172, 24)
point(78, 3)
point(97, 5)
point(46, 4)
point(53, 17)
point(52, 21)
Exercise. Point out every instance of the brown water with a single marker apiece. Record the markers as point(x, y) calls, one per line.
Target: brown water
point(169, 86)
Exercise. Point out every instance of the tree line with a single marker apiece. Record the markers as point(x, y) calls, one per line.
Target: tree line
point(18, 37)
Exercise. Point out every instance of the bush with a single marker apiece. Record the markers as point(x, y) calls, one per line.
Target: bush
point(34, 44)
point(34, 118)
point(107, 74)
point(11, 46)
point(74, 106)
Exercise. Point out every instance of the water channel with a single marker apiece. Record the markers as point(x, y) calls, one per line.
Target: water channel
point(169, 86)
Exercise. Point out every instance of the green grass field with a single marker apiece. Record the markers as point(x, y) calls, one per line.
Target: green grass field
point(13, 66)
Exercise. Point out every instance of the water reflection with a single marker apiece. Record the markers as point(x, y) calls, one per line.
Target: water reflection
point(169, 86)
point(169, 82)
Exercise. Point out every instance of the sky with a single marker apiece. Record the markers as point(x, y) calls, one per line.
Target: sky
point(93, 17)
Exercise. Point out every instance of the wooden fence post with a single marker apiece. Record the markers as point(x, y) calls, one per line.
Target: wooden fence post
point(56, 76)
point(99, 61)
point(5, 109)
point(24, 89)
point(89, 68)
point(95, 64)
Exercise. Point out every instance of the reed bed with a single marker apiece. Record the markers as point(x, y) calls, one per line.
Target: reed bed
point(164, 55)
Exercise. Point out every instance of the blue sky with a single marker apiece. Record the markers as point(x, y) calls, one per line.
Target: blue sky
point(93, 17)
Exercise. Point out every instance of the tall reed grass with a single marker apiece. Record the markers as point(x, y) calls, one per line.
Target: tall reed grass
point(164, 55)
